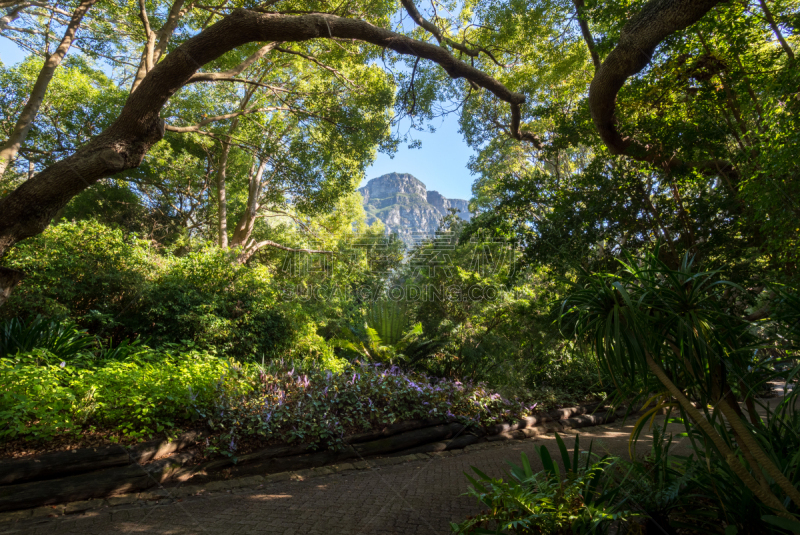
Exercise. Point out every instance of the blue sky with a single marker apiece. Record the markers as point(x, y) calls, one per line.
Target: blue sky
point(440, 163)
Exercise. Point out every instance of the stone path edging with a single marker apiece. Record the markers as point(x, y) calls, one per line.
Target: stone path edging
point(509, 431)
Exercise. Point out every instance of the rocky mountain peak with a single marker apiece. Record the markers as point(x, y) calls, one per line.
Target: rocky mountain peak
point(391, 184)
point(404, 205)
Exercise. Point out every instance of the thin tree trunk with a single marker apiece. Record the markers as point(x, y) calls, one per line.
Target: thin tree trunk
point(767, 497)
point(587, 35)
point(776, 30)
point(156, 41)
point(222, 197)
point(244, 227)
point(28, 115)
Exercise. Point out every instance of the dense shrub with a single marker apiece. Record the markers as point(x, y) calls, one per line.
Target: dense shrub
point(146, 394)
point(208, 298)
point(115, 284)
point(80, 271)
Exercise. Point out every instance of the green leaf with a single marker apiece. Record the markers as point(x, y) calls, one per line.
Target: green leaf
point(785, 523)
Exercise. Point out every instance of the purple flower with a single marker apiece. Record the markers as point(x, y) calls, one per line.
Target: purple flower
point(290, 373)
point(63, 364)
point(232, 445)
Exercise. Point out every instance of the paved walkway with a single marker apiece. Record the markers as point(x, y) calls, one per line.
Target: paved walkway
point(418, 497)
point(415, 498)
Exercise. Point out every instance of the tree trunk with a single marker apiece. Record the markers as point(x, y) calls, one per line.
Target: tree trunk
point(244, 227)
point(776, 30)
point(28, 115)
point(222, 195)
point(8, 279)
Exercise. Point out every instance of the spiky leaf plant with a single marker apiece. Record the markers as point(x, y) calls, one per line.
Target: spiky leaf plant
point(663, 330)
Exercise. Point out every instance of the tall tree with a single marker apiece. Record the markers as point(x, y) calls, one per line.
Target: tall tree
point(139, 126)
point(27, 116)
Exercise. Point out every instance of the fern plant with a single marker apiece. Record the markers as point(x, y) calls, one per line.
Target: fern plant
point(388, 319)
point(582, 500)
point(373, 347)
point(386, 336)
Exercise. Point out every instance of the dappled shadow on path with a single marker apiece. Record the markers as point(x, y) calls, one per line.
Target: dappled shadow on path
point(419, 497)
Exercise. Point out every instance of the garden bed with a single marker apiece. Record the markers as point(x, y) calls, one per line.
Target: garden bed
point(95, 473)
point(240, 408)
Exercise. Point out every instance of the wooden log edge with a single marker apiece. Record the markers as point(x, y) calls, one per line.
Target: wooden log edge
point(398, 440)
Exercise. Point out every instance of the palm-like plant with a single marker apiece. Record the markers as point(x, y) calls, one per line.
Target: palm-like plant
point(388, 319)
point(371, 345)
point(663, 330)
point(62, 341)
point(384, 337)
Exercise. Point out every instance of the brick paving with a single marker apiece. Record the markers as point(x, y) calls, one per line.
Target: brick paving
point(417, 497)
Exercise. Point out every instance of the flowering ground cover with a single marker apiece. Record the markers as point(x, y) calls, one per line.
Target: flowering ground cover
point(46, 404)
point(321, 407)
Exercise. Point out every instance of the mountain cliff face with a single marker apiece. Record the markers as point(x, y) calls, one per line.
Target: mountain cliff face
point(406, 206)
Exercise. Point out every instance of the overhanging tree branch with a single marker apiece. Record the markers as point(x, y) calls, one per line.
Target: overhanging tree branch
point(587, 34)
point(123, 145)
point(514, 129)
point(209, 120)
point(255, 246)
point(236, 71)
point(431, 28)
point(638, 40)
point(317, 62)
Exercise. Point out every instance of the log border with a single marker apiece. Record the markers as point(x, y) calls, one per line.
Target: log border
point(163, 465)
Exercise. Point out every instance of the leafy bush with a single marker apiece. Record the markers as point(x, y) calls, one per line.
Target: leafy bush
point(72, 269)
point(142, 395)
point(115, 284)
point(583, 501)
point(208, 298)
